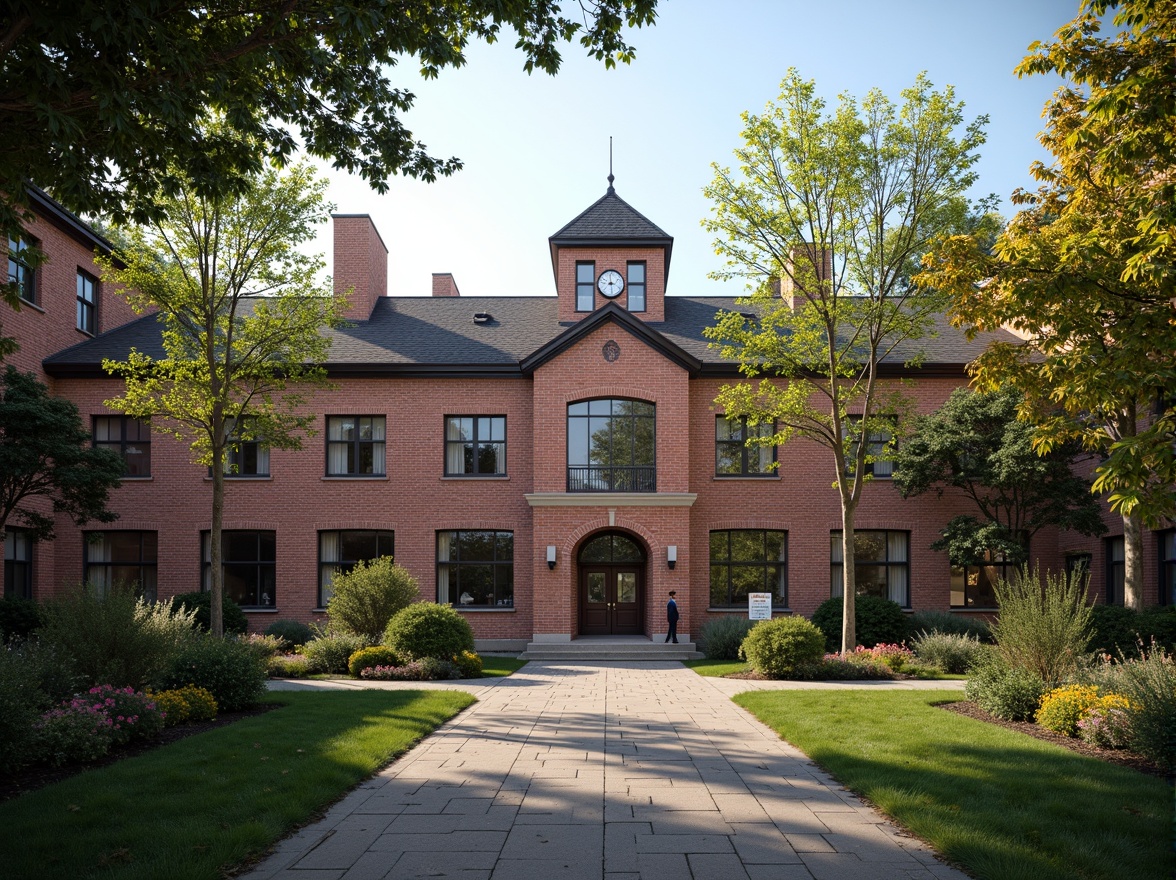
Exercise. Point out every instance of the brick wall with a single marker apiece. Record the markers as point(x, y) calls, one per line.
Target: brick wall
point(611, 258)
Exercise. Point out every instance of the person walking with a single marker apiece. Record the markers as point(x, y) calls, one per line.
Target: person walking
point(672, 618)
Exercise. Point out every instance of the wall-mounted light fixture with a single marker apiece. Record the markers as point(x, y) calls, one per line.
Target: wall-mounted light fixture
point(551, 556)
point(672, 556)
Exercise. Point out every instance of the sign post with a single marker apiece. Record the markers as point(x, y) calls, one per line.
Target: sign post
point(759, 606)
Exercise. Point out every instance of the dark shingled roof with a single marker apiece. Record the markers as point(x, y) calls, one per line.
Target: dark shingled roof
point(414, 335)
point(610, 220)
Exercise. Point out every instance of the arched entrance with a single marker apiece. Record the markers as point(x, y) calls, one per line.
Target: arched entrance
point(612, 581)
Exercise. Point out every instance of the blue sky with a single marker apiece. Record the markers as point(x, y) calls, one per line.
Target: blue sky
point(536, 147)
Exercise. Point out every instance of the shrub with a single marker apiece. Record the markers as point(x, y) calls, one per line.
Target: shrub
point(19, 618)
point(1120, 631)
point(364, 599)
point(1009, 692)
point(1043, 627)
point(230, 670)
point(75, 731)
point(365, 658)
point(945, 622)
point(896, 657)
point(1062, 708)
point(201, 602)
point(834, 667)
point(468, 664)
point(425, 669)
point(776, 647)
point(330, 652)
point(133, 715)
point(1149, 684)
point(1107, 723)
point(952, 653)
point(288, 666)
point(425, 629)
point(22, 700)
point(722, 636)
point(263, 646)
point(291, 632)
point(877, 620)
point(118, 638)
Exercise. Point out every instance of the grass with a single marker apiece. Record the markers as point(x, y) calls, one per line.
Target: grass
point(1001, 804)
point(717, 668)
point(191, 809)
point(498, 666)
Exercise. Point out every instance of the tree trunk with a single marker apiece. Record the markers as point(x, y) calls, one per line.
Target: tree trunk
point(217, 612)
point(848, 581)
point(1133, 561)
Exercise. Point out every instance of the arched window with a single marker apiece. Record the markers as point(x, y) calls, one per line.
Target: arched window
point(611, 549)
point(611, 445)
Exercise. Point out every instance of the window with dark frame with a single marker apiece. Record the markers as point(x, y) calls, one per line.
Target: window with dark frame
point(585, 287)
point(246, 459)
point(118, 557)
point(87, 302)
point(20, 272)
point(635, 284)
point(1115, 570)
point(1167, 544)
point(876, 443)
point(611, 446)
point(130, 438)
point(475, 446)
point(475, 569)
point(733, 456)
point(746, 561)
point(18, 564)
point(1077, 566)
point(974, 586)
point(341, 549)
point(355, 446)
point(249, 561)
point(881, 564)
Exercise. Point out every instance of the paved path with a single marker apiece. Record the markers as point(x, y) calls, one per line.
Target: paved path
point(609, 771)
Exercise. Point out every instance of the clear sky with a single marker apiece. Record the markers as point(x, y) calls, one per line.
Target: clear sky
point(536, 147)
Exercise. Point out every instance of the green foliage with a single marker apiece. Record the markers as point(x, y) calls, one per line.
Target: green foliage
point(1009, 692)
point(879, 621)
point(19, 618)
point(117, 638)
point(1149, 683)
point(468, 664)
point(291, 632)
point(22, 700)
point(722, 636)
point(426, 629)
point(365, 658)
point(330, 652)
point(949, 652)
point(189, 703)
point(975, 445)
point(201, 602)
point(265, 647)
point(837, 668)
point(1043, 627)
point(367, 597)
point(230, 670)
point(776, 647)
point(946, 622)
point(289, 666)
point(48, 464)
point(1118, 630)
point(1062, 708)
point(425, 669)
point(1107, 724)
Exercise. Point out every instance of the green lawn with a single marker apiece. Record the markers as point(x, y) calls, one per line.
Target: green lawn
point(496, 666)
point(205, 803)
point(717, 668)
point(1003, 805)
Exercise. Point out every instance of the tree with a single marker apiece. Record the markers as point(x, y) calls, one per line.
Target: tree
point(839, 207)
point(975, 445)
point(1085, 271)
point(241, 315)
point(46, 459)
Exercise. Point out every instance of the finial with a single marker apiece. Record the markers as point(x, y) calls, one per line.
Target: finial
point(610, 174)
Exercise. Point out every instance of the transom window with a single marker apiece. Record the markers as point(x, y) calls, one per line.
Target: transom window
point(339, 551)
point(130, 438)
point(87, 302)
point(355, 446)
point(611, 446)
point(1115, 571)
point(123, 558)
point(881, 565)
point(475, 569)
point(18, 564)
point(585, 287)
point(733, 457)
point(611, 549)
point(20, 270)
point(746, 561)
point(635, 284)
point(249, 560)
point(475, 446)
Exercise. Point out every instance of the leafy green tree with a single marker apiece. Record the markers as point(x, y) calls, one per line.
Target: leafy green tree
point(839, 207)
point(975, 445)
point(1085, 271)
point(240, 312)
point(47, 461)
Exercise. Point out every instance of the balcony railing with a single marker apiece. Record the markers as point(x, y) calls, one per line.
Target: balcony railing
point(593, 478)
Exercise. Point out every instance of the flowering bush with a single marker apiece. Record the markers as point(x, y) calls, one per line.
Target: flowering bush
point(896, 657)
point(953, 653)
point(133, 715)
point(834, 667)
point(189, 703)
point(79, 730)
point(468, 664)
point(1107, 723)
point(1062, 708)
point(426, 669)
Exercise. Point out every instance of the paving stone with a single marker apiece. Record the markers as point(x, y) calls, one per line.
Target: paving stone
point(716, 866)
point(546, 869)
point(463, 865)
point(663, 866)
point(578, 842)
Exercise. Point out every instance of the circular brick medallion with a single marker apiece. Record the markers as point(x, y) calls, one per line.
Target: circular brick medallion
point(611, 351)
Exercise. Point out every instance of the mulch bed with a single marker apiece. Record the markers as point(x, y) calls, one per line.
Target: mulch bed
point(1073, 743)
point(31, 778)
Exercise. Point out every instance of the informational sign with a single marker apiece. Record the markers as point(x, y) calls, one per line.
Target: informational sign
point(759, 606)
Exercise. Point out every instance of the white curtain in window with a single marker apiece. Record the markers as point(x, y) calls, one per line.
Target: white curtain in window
point(896, 575)
point(99, 551)
point(328, 552)
point(262, 459)
point(444, 542)
point(454, 452)
point(882, 467)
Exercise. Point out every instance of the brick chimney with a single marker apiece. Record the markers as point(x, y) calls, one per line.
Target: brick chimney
point(806, 258)
point(444, 285)
point(361, 264)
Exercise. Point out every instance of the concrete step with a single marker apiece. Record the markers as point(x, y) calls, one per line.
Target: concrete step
point(597, 651)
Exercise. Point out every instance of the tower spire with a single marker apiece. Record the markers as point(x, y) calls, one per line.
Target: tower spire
point(610, 174)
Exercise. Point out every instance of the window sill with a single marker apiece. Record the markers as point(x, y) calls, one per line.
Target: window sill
point(84, 332)
point(724, 610)
point(245, 479)
point(352, 478)
point(32, 305)
point(458, 478)
point(137, 479)
point(259, 610)
point(722, 478)
point(487, 610)
point(965, 609)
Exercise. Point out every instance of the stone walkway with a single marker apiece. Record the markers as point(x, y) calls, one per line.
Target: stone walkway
point(610, 771)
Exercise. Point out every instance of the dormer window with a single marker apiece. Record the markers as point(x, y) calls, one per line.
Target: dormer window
point(636, 284)
point(585, 287)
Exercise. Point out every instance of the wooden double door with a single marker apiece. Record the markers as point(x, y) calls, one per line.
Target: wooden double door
point(610, 600)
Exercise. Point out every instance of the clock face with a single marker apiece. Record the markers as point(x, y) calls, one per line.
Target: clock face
point(610, 283)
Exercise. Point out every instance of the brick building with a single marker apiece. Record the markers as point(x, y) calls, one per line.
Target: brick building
point(551, 465)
